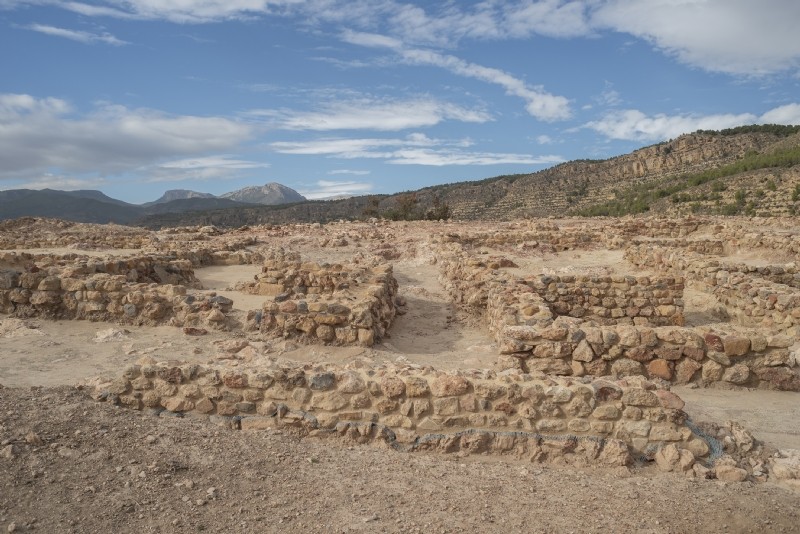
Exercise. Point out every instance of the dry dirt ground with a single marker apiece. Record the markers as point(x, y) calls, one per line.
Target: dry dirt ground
point(88, 467)
point(68, 464)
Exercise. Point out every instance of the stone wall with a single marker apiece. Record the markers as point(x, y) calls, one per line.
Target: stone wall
point(107, 297)
point(751, 299)
point(641, 300)
point(522, 315)
point(568, 346)
point(333, 304)
point(417, 408)
point(137, 269)
point(655, 227)
point(545, 238)
point(715, 247)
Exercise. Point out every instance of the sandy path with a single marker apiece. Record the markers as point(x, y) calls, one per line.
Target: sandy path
point(433, 331)
point(48, 353)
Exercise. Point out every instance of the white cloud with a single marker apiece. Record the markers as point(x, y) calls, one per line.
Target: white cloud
point(221, 167)
point(371, 114)
point(75, 35)
point(327, 189)
point(350, 171)
point(788, 114)
point(45, 136)
point(444, 157)
point(52, 181)
point(371, 40)
point(414, 149)
point(553, 18)
point(634, 125)
point(180, 11)
point(731, 36)
point(544, 139)
point(540, 104)
point(348, 148)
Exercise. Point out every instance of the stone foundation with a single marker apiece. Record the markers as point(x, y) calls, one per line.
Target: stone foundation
point(332, 304)
point(606, 421)
point(767, 296)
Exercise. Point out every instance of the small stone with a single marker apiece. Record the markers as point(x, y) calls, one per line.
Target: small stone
point(417, 387)
point(670, 400)
point(667, 458)
point(33, 438)
point(719, 357)
point(729, 473)
point(660, 368)
point(9, 452)
point(393, 386)
point(738, 374)
point(640, 397)
point(713, 342)
point(322, 381)
point(736, 345)
point(449, 385)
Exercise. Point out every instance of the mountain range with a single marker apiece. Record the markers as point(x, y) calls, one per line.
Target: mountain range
point(749, 170)
point(96, 207)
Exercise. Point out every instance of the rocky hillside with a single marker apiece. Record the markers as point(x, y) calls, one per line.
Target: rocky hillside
point(178, 194)
point(269, 195)
point(578, 185)
point(747, 170)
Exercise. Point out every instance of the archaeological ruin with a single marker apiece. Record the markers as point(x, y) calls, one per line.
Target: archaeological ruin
point(586, 323)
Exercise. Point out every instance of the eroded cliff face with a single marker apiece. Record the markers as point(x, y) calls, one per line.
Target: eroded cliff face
point(582, 183)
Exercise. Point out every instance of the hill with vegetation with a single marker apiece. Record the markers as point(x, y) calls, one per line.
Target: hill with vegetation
point(747, 170)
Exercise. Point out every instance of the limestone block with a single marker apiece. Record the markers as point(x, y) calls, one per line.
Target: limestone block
point(737, 374)
point(416, 387)
point(392, 386)
point(685, 370)
point(736, 345)
point(449, 385)
point(640, 397)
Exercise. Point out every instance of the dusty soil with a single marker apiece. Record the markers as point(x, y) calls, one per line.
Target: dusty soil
point(68, 464)
point(88, 467)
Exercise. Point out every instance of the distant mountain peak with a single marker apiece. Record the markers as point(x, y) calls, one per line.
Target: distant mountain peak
point(179, 194)
point(269, 194)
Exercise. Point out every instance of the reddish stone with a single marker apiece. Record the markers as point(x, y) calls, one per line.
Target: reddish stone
point(192, 331)
point(660, 368)
point(505, 407)
point(289, 306)
point(670, 400)
point(714, 342)
point(639, 354)
point(736, 345)
point(782, 378)
point(669, 353)
point(694, 353)
point(235, 380)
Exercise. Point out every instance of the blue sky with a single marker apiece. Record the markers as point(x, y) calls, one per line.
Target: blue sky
point(329, 97)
